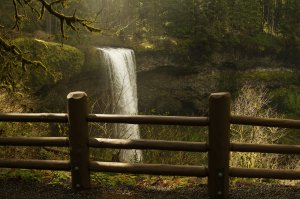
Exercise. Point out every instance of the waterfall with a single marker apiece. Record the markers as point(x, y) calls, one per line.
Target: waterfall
point(121, 70)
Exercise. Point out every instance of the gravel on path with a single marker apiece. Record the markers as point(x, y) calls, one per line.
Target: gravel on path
point(20, 189)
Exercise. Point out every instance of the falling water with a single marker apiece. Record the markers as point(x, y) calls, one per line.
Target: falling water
point(121, 70)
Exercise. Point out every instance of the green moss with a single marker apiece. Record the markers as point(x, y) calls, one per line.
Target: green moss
point(272, 76)
point(21, 174)
point(92, 59)
point(62, 61)
point(283, 86)
point(287, 100)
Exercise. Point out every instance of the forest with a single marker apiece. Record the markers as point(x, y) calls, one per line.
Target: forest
point(190, 35)
point(184, 50)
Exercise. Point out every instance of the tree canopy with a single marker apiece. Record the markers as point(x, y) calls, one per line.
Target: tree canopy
point(195, 29)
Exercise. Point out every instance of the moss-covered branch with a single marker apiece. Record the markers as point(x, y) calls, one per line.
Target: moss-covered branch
point(68, 20)
point(14, 50)
point(13, 59)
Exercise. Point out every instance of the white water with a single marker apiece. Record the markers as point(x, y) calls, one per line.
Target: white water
point(121, 70)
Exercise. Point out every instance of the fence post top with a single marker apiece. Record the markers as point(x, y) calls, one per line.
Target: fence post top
point(76, 95)
point(219, 95)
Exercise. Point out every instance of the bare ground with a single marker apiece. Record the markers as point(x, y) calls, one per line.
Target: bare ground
point(20, 189)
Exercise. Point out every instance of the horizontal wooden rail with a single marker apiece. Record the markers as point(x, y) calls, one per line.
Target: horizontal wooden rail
point(61, 165)
point(266, 148)
point(34, 117)
point(265, 173)
point(218, 146)
point(152, 169)
point(148, 144)
point(149, 119)
point(269, 122)
point(34, 141)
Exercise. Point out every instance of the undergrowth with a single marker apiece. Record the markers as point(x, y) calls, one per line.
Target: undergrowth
point(102, 179)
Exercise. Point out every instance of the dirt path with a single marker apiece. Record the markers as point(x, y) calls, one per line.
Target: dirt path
point(20, 189)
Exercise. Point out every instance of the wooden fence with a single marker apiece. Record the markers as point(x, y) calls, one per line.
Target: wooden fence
point(218, 146)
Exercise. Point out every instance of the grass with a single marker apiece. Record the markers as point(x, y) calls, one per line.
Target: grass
point(104, 179)
point(174, 133)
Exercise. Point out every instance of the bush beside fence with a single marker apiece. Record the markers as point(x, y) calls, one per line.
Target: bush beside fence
point(218, 146)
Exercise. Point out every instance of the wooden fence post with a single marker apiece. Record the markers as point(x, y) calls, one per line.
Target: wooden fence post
point(78, 135)
point(219, 145)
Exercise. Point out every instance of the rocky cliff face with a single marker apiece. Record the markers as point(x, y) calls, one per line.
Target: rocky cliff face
point(176, 90)
point(168, 88)
point(185, 90)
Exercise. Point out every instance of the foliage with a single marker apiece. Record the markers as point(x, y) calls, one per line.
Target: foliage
point(103, 179)
point(13, 59)
point(13, 65)
point(174, 133)
point(59, 178)
point(245, 27)
point(24, 103)
point(62, 61)
point(23, 174)
point(282, 84)
point(193, 31)
point(288, 100)
point(254, 101)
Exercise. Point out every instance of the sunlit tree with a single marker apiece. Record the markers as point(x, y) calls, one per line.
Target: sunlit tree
point(254, 101)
